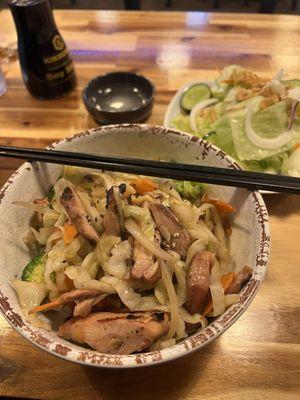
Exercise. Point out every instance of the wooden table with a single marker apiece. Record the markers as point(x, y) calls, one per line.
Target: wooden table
point(259, 357)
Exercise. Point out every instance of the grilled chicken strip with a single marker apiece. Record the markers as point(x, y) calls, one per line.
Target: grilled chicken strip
point(68, 297)
point(100, 302)
point(174, 234)
point(112, 218)
point(197, 281)
point(240, 280)
point(83, 308)
point(77, 214)
point(116, 333)
point(78, 294)
point(144, 266)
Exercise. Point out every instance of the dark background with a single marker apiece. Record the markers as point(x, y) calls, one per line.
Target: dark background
point(279, 6)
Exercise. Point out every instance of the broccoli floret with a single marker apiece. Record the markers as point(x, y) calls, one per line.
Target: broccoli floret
point(34, 270)
point(190, 190)
point(51, 194)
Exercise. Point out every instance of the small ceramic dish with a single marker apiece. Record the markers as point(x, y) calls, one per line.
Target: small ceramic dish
point(119, 97)
point(250, 239)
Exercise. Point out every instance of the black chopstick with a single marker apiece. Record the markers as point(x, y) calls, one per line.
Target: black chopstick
point(191, 172)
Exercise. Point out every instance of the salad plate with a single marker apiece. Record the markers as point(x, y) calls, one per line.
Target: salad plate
point(253, 119)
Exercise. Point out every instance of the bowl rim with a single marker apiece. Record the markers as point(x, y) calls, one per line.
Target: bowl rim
point(149, 99)
point(83, 356)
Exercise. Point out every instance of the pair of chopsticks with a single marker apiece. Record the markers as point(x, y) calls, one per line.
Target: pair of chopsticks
point(188, 172)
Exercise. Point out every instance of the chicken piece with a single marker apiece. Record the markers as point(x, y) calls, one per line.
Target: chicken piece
point(112, 221)
point(144, 266)
point(197, 281)
point(77, 214)
point(78, 294)
point(174, 234)
point(83, 308)
point(111, 303)
point(116, 333)
point(74, 295)
point(240, 280)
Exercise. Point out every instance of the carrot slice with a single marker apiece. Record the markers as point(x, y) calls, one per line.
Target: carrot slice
point(143, 185)
point(69, 232)
point(47, 306)
point(221, 206)
point(226, 281)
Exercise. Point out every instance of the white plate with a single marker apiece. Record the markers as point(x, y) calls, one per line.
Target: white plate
point(174, 107)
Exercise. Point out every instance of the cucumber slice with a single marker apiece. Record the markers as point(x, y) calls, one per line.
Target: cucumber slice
point(293, 83)
point(194, 95)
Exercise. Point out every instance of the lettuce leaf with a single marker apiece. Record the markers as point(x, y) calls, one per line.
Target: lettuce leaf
point(271, 164)
point(291, 166)
point(181, 122)
point(268, 123)
point(223, 137)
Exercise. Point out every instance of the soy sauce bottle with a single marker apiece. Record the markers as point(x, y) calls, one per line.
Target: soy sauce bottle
point(46, 65)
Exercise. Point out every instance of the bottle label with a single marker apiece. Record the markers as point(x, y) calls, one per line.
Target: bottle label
point(56, 57)
point(58, 43)
point(59, 65)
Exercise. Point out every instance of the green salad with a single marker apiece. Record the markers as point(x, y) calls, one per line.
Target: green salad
point(253, 119)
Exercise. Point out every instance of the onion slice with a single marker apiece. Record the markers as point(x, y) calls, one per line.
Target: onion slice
point(198, 107)
point(167, 279)
point(259, 141)
point(137, 233)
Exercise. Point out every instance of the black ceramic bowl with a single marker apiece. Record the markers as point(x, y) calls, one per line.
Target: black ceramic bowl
point(119, 97)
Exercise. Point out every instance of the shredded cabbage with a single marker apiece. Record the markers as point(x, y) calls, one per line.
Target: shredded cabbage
point(167, 279)
point(143, 216)
point(160, 292)
point(82, 280)
point(91, 264)
point(103, 249)
point(129, 297)
point(198, 245)
point(179, 269)
point(216, 290)
point(192, 319)
point(30, 294)
point(43, 234)
point(117, 264)
point(137, 233)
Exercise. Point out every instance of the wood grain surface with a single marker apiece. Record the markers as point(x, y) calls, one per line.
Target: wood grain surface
point(257, 358)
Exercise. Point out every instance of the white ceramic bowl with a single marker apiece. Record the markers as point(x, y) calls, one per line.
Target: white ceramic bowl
point(249, 241)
